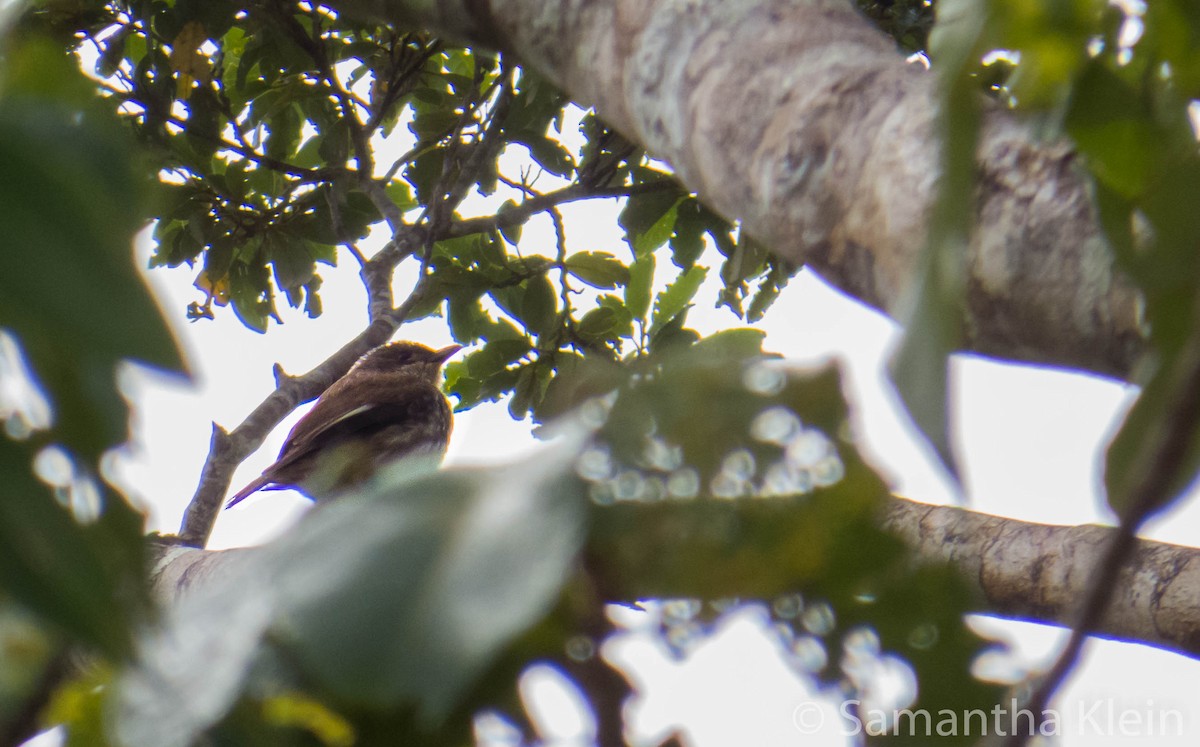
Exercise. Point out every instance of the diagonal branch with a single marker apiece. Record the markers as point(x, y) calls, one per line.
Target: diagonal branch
point(229, 449)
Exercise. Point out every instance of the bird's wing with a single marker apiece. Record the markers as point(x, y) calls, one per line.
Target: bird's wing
point(324, 427)
point(419, 403)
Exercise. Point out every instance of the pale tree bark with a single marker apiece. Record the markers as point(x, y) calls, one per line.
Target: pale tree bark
point(799, 118)
point(1023, 571)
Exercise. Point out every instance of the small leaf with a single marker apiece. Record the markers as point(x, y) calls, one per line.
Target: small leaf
point(466, 317)
point(510, 231)
point(677, 296)
point(637, 291)
point(598, 269)
point(292, 262)
point(687, 241)
point(599, 324)
point(539, 308)
point(649, 220)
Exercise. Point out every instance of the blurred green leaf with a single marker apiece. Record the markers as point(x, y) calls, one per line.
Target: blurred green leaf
point(445, 570)
point(677, 296)
point(649, 220)
point(77, 578)
point(1110, 124)
point(598, 269)
point(29, 655)
point(637, 290)
point(71, 200)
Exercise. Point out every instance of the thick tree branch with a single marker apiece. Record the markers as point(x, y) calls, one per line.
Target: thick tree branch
point(808, 124)
point(1023, 570)
point(1039, 572)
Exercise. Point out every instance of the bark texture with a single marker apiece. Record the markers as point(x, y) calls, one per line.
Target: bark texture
point(1039, 572)
point(1022, 570)
point(802, 120)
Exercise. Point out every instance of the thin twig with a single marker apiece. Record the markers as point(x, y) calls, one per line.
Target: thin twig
point(523, 212)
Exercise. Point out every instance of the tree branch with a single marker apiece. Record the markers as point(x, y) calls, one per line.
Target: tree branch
point(1039, 572)
point(228, 450)
point(809, 126)
point(539, 203)
point(1023, 571)
point(1161, 466)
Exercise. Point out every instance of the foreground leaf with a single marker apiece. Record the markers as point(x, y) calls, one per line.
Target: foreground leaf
point(395, 597)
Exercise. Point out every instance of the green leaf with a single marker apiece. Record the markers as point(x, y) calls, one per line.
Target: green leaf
point(249, 296)
point(920, 367)
point(637, 291)
point(292, 262)
point(466, 317)
point(598, 269)
point(539, 307)
point(29, 650)
point(401, 195)
point(687, 242)
point(70, 575)
point(676, 297)
point(70, 202)
point(548, 154)
point(1111, 125)
point(445, 571)
point(937, 294)
point(600, 324)
point(649, 220)
point(1135, 450)
point(204, 121)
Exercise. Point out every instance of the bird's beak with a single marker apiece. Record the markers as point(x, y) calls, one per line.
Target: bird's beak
point(442, 355)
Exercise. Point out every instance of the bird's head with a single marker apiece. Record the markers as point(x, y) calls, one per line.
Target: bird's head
point(407, 357)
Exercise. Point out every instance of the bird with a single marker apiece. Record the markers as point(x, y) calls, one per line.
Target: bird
point(388, 406)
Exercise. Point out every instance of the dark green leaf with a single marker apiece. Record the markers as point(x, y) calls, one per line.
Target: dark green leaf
point(70, 203)
point(466, 317)
point(548, 154)
point(649, 220)
point(59, 569)
point(687, 242)
point(292, 262)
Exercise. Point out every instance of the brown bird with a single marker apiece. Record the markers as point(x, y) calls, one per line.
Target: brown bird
point(386, 407)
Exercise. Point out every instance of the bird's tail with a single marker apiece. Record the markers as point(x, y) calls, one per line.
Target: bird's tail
point(255, 484)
